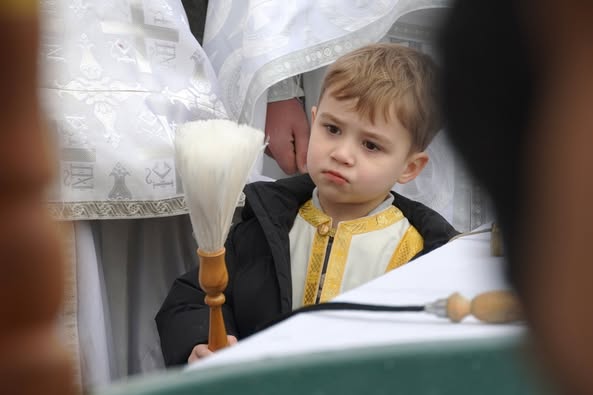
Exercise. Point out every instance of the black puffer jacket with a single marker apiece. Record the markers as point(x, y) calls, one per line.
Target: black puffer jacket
point(260, 287)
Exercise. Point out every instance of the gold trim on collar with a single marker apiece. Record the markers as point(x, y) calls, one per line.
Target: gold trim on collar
point(410, 245)
point(339, 252)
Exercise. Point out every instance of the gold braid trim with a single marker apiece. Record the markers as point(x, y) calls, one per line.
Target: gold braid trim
point(411, 244)
point(321, 221)
point(341, 246)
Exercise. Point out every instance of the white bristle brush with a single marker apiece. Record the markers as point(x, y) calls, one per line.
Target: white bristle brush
point(214, 159)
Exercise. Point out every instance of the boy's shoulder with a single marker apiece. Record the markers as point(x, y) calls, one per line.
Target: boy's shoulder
point(433, 227)
point(276, 198)
point(298, 188)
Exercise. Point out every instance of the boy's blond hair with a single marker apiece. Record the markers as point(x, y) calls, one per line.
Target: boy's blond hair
point(386, 77)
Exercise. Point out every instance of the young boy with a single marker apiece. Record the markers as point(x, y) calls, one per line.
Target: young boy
point(306, 239)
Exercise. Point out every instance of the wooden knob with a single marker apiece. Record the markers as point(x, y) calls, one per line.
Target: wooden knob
point(497, 307)
point(213, 276)
point(458, 307)
point(494, 307)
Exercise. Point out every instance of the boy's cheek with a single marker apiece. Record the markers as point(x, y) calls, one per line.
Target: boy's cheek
point(310, 159)
point(314, 146)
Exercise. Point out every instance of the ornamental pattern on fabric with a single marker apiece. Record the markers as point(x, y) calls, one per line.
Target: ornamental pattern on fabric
point(276, 40)
point(118, 78)
point(118, 209)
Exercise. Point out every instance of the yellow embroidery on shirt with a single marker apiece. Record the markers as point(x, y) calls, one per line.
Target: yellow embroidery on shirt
point(341, 246)
point(323, 224)
point(410, 245)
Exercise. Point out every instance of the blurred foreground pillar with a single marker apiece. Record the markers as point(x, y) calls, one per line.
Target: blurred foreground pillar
point(32, 361)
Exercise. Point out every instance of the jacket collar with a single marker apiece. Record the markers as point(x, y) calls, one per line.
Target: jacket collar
point(280, 200)
point(275, 205)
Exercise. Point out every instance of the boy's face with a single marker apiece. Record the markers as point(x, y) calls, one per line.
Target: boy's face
point(355, 163)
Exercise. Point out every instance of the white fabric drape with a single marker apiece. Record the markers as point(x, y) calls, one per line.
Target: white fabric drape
point(96, 348)
point(125, 269)
point(117, 78)
point(254, 44)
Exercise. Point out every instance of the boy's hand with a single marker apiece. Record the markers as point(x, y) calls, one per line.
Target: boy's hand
point(201, 350)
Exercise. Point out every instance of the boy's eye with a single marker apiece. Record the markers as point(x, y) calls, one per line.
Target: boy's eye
point(332, 129)
point(371, 146)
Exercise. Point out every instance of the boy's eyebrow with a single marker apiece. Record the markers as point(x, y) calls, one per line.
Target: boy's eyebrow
point(375, 136)
point(330, 117)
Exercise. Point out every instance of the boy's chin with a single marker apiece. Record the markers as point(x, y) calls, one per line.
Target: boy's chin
point(333, 195)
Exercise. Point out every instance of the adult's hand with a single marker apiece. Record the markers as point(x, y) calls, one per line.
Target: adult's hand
point(288, 131)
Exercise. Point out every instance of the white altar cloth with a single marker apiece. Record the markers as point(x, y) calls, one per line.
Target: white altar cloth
point(464, 265)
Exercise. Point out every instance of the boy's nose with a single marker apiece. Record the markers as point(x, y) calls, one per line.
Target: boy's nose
point(343, 153)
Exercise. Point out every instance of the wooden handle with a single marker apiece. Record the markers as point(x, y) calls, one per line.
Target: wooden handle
point(495, 307)
point(496, 242)
point(213, 278)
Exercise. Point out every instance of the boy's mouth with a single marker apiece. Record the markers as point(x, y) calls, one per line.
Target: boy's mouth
point(335, 177)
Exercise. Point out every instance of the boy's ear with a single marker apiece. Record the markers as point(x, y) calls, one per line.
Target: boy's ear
point(313, 114)
point(416, 162)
